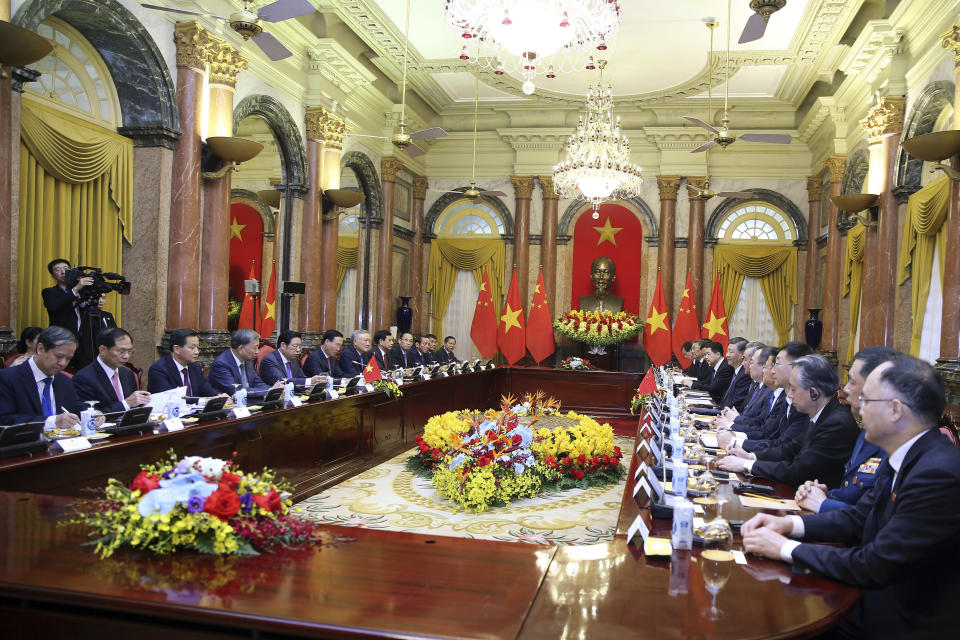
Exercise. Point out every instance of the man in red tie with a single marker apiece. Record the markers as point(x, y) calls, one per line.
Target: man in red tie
point(107, 380)
point(180, 368)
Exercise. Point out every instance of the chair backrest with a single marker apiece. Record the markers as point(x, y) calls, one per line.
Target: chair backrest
point(303, 356)
point(137, 372)
point(948, 427)
point(262, 352)
point(10, 357)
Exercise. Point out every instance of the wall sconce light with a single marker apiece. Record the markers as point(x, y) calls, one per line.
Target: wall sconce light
point(20, 47)
point(270, 197)
point(342, 199)
point(936, 147)
point(231, 150)
point(853, 203)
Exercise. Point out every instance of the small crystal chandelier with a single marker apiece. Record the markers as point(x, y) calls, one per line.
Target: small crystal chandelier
point(598, 155)
point(555, 36)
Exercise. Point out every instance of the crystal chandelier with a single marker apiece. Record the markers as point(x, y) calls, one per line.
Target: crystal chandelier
point(598, 155)
point(552, 36)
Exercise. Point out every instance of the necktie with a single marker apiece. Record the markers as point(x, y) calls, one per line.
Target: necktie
point(243, 376)
point(329, 365)
point(116, 384)
point(186, 381)
point(404, 358)
point(46, 400)
point(289, 373)
point(881, 500)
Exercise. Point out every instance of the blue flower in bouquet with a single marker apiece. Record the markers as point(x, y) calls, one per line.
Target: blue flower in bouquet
point(518, 468)
point(173, 491)
point(526, 435)
point(458, 461)
point(247, 501)
point(195, 504)
point(486, 426)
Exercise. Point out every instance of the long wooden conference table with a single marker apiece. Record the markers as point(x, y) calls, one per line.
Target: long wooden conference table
point(363, 582)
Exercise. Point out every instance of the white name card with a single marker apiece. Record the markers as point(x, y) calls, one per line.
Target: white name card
point(641, 469)
point(643, 449)
point(657, 455)
point(655, 483)
point(173, 424)
point(240, 412)
point(738, 556)
point(73, 444)
point(295, 401)
point(638, 526)
point(642, 482)
point(369, 386)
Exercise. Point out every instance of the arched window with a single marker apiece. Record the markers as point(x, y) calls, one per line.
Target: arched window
point(466, 217)
point(75, 78)
point(350, 221)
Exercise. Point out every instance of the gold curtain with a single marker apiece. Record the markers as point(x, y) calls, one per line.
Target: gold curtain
point(853, 280)
point(449, 256)
point(923, 232)
point(76, 202)
point(348, 253)
point(776, 267)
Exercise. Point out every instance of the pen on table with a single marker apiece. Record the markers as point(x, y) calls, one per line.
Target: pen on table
point(756, 495)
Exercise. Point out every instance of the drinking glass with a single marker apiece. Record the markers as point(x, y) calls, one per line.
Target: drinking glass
point(715, 566)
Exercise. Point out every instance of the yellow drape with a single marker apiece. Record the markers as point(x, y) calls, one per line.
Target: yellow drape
point(923, 231)
point(76, 195)
point(448, 256)
point(776, 267)
point(348, 253)
point(853, 280)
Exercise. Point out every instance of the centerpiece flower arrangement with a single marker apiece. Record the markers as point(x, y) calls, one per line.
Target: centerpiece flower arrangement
point(597, 328)
point(199, 504)
point(576, 364)
point(640, 401)
point(477, 460)
point(388, 386)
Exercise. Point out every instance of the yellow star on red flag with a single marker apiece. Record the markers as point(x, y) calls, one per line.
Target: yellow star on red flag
point(509, 318)
point(715, 325)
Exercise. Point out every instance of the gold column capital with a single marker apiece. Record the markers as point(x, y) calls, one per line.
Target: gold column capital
point(836, 164)
point(225, 63)
point(814, 187)
point(885, 118)
point(420, 185)
point(324, 125)
point(389, 167)
point(668, 186)
point(696, 185)
point(193, 45)
point(950, 39)
point(546, 185)
point(522, 186)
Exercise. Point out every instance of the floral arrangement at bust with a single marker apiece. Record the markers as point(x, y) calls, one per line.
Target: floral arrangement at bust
point(477, 460)
point(576, 364)
point(597, 328)
point(199, 504)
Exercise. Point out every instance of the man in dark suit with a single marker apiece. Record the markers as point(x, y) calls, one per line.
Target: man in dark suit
point(736, 394)
point(106, 379)
point(446, 355)
point(37, 391)
point(824, 445)
point(354, 358)
point(325, 359)
point(421, 353)
point(63, 302)
point(235, 366)
point(758, 397)
point(383, 343)
point(180, 368)
point(284, 362)
point(401, 354)
point(899, 541)
point(721, 375)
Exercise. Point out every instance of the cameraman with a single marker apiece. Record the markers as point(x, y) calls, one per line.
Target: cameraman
point(61, 301)
point(93, 320)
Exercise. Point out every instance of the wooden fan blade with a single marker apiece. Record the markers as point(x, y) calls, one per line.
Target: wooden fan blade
point(271, 46)
point(736, 194)
point(284, 10)
point(701, 123)
point(770, 138)
point(754, 29)
point(414, 151)
point(184, 11)
point(428, 134)
point(705, 146)
point(364, 135)
point(493, 193)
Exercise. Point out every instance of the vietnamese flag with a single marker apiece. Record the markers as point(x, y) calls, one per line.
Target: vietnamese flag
point(483, 331)
point(540, 341)
point(715, 325)
point(371, 372)
point(268, 323)
point(687, 326)
point(511, 337)
point(248, 310)
point(656, 332)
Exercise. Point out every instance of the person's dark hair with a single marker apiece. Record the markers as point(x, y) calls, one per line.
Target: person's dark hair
point(430, 335)
point(178, 337)
point(55, 262)
point(287, 336)
point(108, 337)
point(686, 346)
point(448, 338)
point(796, 349)
point(738, 339)
point(26, 335)
point(766, 352)
point(919, 386)
point(53, 336)
point(816, 372)
point(330, 335)
point(716, 347)
point(740, 344)
point(241, 337)
point(382, 334)
point(405, 333)
point(755, 345)
point(872, 357)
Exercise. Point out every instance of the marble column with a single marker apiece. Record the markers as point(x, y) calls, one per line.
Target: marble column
point(183, 264)
point(383, 317)
point(311, 233)
point(666, 244)
point(420, 185)
point(6, 203)
point(225, 63)
point(695, 242)
point(333, 129)
point(836, 165)
point(548, 243)
point(523, 190)
point(814, 195)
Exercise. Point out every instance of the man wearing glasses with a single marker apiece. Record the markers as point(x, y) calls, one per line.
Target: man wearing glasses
point(107, 379)
point(284, 362)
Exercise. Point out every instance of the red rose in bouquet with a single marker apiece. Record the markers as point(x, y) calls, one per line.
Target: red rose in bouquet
point(145, 482)
point(577, 474)
point(271, 501)
point(230, 480)
point(223, 503)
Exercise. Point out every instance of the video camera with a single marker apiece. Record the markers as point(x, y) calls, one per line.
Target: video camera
point(92, 293)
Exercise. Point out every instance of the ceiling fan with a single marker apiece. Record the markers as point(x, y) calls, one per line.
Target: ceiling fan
point(722, 136)
point(706, 193)
point(401, 139)
point(757, 23)
point(246, 22)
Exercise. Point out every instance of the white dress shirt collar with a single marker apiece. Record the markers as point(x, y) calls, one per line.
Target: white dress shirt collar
point(896, 458)
point(106, 369)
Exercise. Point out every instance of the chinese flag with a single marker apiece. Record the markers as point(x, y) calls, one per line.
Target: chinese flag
point(248, 310)
point(648, 384)
point(656, 333)
point(715, 320)
point(268, 323)
point(483, 331)
point(511, 336)
point(540, 324)
point(371, 372)
point(687, 326)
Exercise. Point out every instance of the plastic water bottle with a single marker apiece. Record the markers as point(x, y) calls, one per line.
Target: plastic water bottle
point(287, 393)
point(240, 397)
point(680, 473)
point(676, 443)
point(88, 422)
point(172, 409)
point(681, 536)
point(329, 383)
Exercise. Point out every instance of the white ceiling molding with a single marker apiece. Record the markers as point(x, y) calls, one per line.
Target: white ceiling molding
point(873, 50)
point(330, 60)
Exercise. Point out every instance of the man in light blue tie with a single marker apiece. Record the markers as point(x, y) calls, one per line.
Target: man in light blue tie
point(235, 366)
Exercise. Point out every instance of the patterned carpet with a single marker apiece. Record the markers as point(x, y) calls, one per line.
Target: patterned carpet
point(389, 497)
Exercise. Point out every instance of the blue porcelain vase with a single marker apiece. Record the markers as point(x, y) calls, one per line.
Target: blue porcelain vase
point(404, 315)
point(813, 329)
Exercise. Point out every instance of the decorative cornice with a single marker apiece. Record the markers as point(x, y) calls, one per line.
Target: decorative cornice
point(669, 186)
point(885, 118)
point(950, 40)
point(815, 188)
point(546, 188)
point(403, 233)
point(535, 139)
point(522, 186)
point(873, 50)
point(225, 63)
point(420, 186)
point(331, 61)
point(837, 166)
point(389, 167)
point(696, 184)
point(193, 45)
point(323, 125)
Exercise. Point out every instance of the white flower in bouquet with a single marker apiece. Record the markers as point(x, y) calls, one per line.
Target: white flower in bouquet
point(210, 467)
